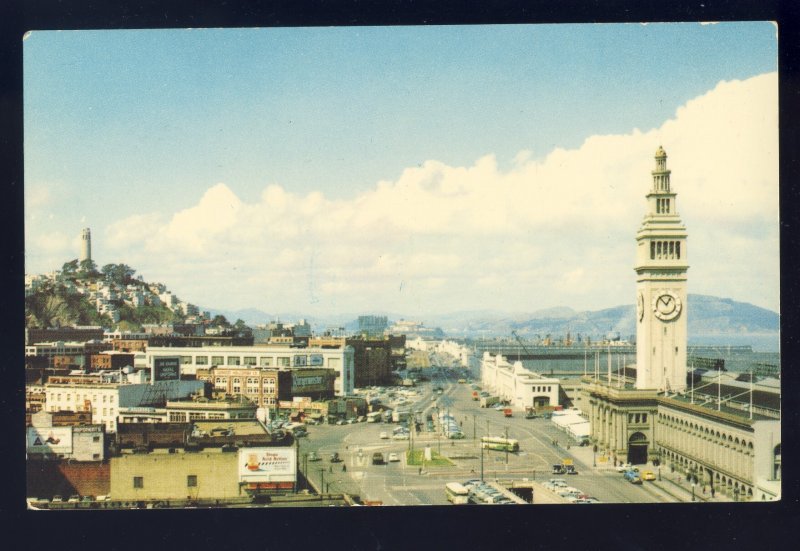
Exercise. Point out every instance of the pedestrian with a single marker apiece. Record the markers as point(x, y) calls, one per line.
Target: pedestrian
point(420, 470)
point(330, 469)
point(344, 468)
point(712, 491)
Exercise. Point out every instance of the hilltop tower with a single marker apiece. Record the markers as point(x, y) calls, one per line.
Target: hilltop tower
point(86, 245)
point(661, 266)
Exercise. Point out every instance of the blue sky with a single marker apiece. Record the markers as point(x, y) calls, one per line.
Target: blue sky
point(128, 131)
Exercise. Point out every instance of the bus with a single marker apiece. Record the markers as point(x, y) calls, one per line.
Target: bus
point(500, 443)
point(456, 493)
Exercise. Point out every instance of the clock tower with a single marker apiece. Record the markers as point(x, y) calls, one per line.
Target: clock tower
point(661, 266)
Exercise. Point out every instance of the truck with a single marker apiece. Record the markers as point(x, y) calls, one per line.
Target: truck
point(488, 401)
point(400, 416)
point(507, 412)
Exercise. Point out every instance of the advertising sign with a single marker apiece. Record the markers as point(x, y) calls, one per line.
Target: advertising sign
point(302, 381)
point(267, 464)
point(166, 369)
point(300, 361)
point(315, 360)
point(49, 440)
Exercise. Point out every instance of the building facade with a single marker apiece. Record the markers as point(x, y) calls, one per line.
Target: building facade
point(338, 359)
point(653, 413)
point(515, 384)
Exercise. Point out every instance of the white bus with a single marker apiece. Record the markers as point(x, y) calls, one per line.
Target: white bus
point(456, 493)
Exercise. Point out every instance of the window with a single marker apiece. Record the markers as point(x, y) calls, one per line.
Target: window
point(95, 439)
point(196, 416)
point(111, 411)
point(138, 482)
point(105, 411)
point(283, 362)
point(234, 360)
point(644, 418)
point(191, 481)
point(249, 360)
point(201, 360)
point(186, 360)
point(265, 362)
point(95, 456)
point(105, 398)
point(630, 418)
point(652, 250)
point(217, 360)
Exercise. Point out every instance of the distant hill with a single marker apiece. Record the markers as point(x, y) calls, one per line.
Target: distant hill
point(707, 315)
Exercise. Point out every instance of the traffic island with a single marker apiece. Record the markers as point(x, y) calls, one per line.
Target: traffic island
point(417, 458)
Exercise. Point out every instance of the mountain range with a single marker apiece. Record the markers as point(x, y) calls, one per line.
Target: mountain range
point(707, 315)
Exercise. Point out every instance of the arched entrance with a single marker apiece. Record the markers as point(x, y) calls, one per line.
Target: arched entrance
point(637, 449)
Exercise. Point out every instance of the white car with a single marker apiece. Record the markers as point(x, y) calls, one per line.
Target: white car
point(400, 436)
point(394, 457)
point(384, 435)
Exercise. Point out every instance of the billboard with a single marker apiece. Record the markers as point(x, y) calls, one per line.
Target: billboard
point(49, 440)
point(166, 369)
point(315, 360)
point(267, 464)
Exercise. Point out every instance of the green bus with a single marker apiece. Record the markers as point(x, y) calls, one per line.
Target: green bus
point(500, 443)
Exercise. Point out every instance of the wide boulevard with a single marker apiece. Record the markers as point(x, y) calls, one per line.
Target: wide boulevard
point(396, 483)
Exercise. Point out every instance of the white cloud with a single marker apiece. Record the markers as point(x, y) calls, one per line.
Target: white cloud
point(558, 231)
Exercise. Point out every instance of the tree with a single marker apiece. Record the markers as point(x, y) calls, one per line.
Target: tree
point(69, 269)
point(87, 268)
point(118, 273)
point(220, 320)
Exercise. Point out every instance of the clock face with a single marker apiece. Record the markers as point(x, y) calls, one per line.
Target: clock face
point(640, 306)
point(667, 306)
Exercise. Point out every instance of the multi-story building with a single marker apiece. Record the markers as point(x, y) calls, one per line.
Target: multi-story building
point(103, 394)
point(374, 358)
point(208, 464)
point(266, 386)
point(46, 440)
point(193, 358)
point(515, 384)
point(652, 412)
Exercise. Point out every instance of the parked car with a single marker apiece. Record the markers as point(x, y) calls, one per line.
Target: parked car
point(384, 435)
point(377, 458)
point(58, 499)
point(312, 456)
point(74, 499)
point(394, 457)
point(624, 467)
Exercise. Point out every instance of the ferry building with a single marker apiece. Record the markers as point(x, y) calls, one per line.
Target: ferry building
point(652, 412)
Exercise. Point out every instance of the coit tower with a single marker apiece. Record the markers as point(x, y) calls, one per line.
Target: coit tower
point(661, 266)
point(86, 245)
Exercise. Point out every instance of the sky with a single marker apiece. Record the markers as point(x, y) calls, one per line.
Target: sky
point(414, 170)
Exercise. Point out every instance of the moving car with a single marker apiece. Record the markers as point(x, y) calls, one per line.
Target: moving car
point(312, 456)
point(632, 477)
point(624, 467)
point(648, 475)
point(335, 457)
point(377, 458)
point(394, 457)
point(384, 435)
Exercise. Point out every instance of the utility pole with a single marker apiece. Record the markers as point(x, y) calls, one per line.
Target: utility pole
point(322, 475)
point(506, 446)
